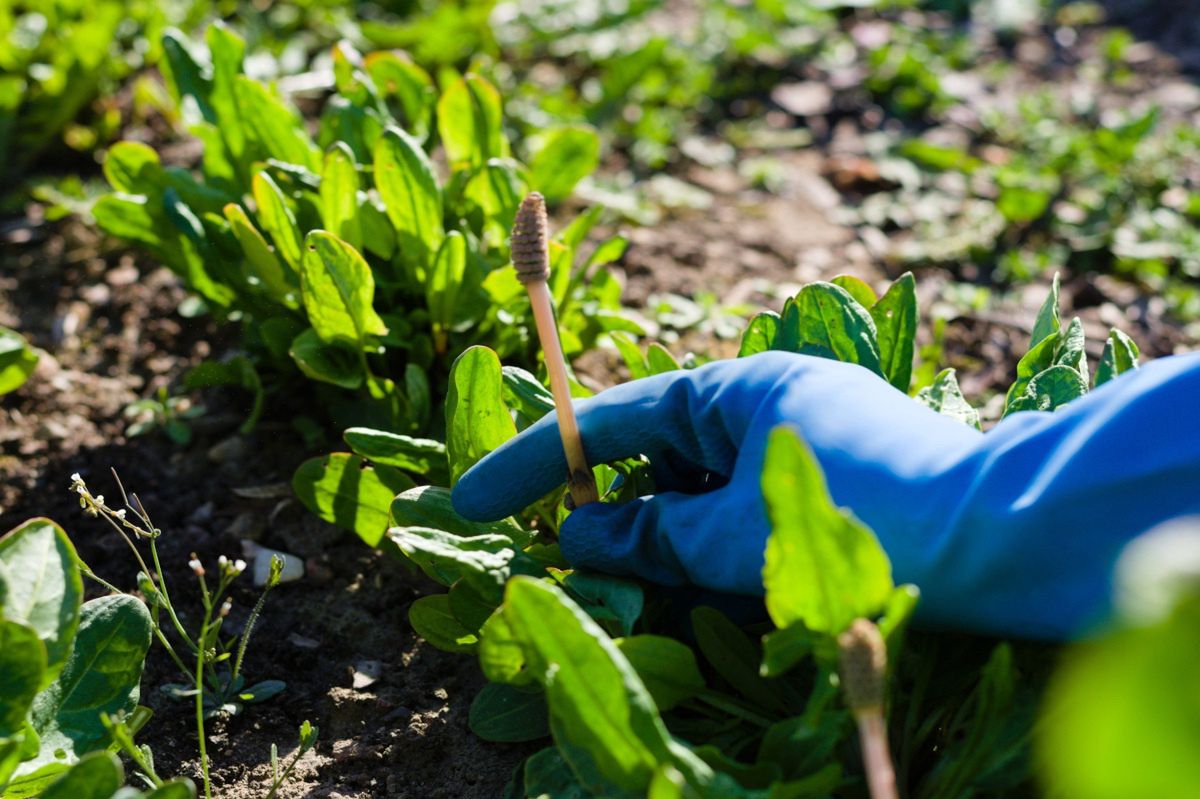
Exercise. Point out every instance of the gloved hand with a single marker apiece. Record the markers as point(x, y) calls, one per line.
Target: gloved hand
point(1011, 532)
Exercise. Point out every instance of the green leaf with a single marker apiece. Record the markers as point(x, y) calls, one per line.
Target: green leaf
point(396, 76)
point(277, 130)
point(447, 558)
point(547, 775)
point(97, 776)
point(1039, 358)
point(564, 156)
point(443, 285)
point(823, 567)
point(1047, 322)
point(945, 397)
point(133, 168)
point(430, 506)
point(339, 195)
point(599, 703)
point(417, 455)
point(409, 189)
point(1120, 355)
point(44, 587)
point(345, 490)
point(825, 320)
point(102, 675)
point(504, 714)
point(470, 123)
point(659, 360)
point(337, 362)
point(734, 656)
point(17, 360)
point(338, 290)
point(501, 656)
point(525, 394)
point(278, 220)
point(895, 317)
point(432, 619)
point(477, 421)
point(667, 667)
point(237, 371)
point(607, 598)
point(1072, 349)
point(760, 334)
point(783, 649)
point(22, 673)
point(634, 360)
point(1050, 390)
point(857, 288)
point(276, 279)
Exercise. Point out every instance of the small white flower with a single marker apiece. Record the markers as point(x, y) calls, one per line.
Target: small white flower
point(239, 566)
point(195, 565)
point(99, 500)
point(223, 562)
point(226, 606)
point(120, 514)
point(75, 478)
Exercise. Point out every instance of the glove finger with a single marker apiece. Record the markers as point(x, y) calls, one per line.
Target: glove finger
point(714, 540)
point(697, 416)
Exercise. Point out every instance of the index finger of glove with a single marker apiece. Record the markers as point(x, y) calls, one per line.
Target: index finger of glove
point(697, 416)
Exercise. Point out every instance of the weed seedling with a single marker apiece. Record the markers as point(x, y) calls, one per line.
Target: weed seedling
point(531, 259)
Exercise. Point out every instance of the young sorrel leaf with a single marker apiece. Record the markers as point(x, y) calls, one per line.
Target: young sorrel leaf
point(429, 506)
point(1039, 358)
point(470, 124)
point(17, 360)
point(783, 649)
point(338, 289)
point(760, 334)
point(96, 776)
point(736, 657)
point(278, 220)
point(272, 127)
point(564, 156)
point(548, 774)
point(635, 361)
point(22, 671)
point(442, 286)
point(824, 320)
point(44, 587)
point(525, 394)
point(857, 288)
point(338, 362)
point(666, 666)
point(505, 714)
point(823, 568)
point(616, 600)
point(102, 675)
point(1048, 321)
point(409, 189)
point(433, 620)
point(345, 490)
point(1072, 349)
point(277, 280)
point(1120, 355)
point(1050, 390)
point(596, 698)
point(416, 455)
point(658, 360)
point(895, 316)
point(339, 195)
point(398, 77)
point(447, 558)
point(476, 419)
point(945, 397)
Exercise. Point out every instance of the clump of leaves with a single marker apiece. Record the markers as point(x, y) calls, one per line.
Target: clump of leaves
point(17, 360)
point(353, 258)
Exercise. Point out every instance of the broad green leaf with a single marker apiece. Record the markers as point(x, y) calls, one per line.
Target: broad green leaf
point(276, 129)
point(237, 371)
point(667, 667)
point(447, 558)
point(945, 397)
point(477, 421)
point(783, 649)
point(1039, 358)
point(432, 619)
point(1072, 349)
point(823, 567)
point(227, 51)
point(44, 586)
point(130, 217)
point(102, 675)
point(857, 288)
point(17, 360)
point(526, 395)
point(895, 316)
point(1120, 355)
point(599, 703)
point(335, 362)
point(430, 506)
point(470, 123)
point(96, 776)
point(1050, 390)
point(278, 280)
point(564, 156)
point(339, 195)
point(22, 671)
point(547, 775)
point(396, 76)
point(634, 360)
point(825, 320)
point(496, 190)
point(443, 284)
point(659, 360)
point(133, 168)
point(607, 598)
point(504, 714)
point(338, 290)
point(501, 656)
point(409, 189)
point(345, 490)
point(379, 237)
point(278, 220)
point(1047, 322)
point(760, 334)
point(416, 455)
point(734, 656)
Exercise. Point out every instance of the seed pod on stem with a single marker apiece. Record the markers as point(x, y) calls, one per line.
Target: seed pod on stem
point(531, 258)
point(862, 662)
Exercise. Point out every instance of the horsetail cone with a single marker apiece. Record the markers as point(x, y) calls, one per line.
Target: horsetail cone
point(862, 664)
point(530, 240)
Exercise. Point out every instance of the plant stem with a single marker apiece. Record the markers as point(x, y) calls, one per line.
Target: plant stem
point(199, 684)
point(877, 760)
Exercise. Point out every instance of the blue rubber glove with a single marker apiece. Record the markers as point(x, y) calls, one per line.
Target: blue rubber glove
point(1013, 532)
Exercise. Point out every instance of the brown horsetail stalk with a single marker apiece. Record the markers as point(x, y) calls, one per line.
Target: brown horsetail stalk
point(531, 258)
point(862, 661)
